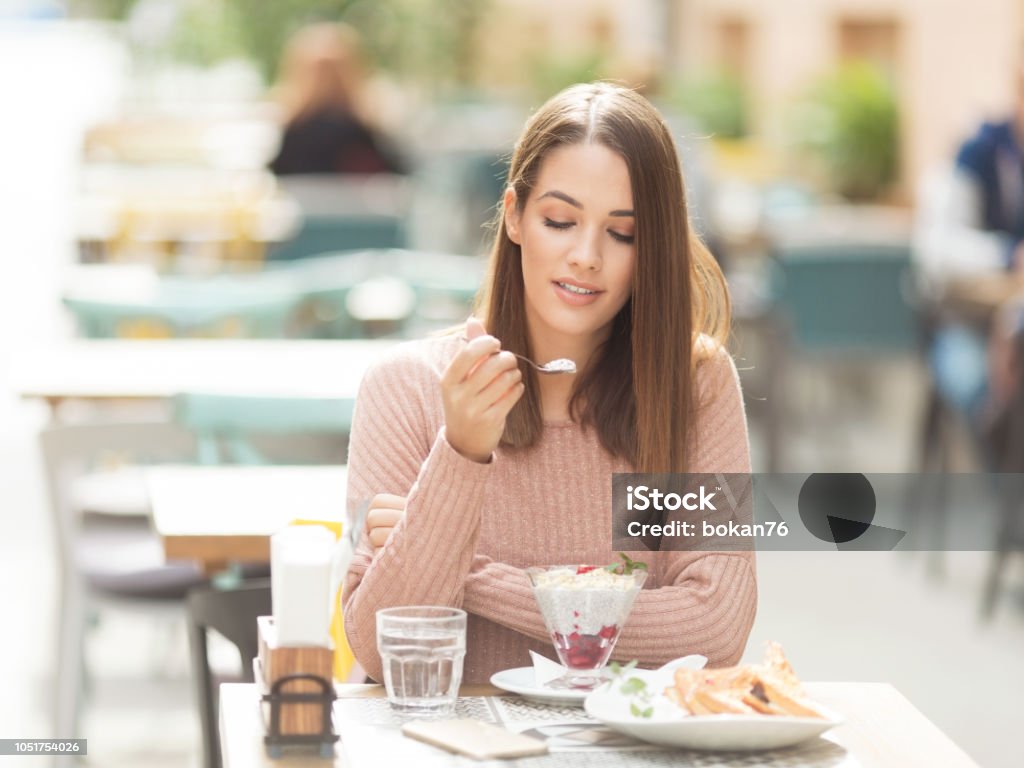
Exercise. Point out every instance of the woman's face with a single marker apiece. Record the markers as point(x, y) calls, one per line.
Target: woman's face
point(576, 233)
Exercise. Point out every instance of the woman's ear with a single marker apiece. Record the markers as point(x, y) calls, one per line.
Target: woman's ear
point(512, 215)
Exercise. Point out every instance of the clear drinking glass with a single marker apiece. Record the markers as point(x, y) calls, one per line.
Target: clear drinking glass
point(584, 612)
point(422, 648)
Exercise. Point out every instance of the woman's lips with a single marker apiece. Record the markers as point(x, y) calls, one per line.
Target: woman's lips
point(573, 298)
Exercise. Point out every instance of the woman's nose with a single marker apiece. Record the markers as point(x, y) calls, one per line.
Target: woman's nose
point(587, 253)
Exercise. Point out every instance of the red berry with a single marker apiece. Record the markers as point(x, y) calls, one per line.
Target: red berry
point(585, 569)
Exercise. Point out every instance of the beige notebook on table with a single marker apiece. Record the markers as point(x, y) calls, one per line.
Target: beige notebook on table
point(481, 741)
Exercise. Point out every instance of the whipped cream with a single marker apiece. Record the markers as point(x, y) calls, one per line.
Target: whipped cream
point(584, 603)
point(599, 578)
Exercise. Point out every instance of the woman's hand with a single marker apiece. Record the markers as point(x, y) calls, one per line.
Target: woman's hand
point(479, 388)
point(383, 515)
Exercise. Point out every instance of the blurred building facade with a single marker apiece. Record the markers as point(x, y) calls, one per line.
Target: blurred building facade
point(950, 62)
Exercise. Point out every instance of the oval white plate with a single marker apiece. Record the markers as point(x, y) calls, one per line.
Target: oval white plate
point(523, 680)
point(669, 726)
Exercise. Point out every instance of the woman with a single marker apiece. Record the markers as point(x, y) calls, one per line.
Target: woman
point(319, 87)
point(478, 468)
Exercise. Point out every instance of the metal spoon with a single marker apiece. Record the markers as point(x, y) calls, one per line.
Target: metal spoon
point(560, 365)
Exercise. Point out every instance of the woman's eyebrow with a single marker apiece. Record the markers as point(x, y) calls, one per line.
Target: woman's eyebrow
point(563, 197)
point(577, 204)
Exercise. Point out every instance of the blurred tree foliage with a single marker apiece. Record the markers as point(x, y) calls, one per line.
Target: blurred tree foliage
point(207, 33)
point(852, 122)
point(717, 102)
point(551, 71)
point(105, 9)
point(429, 42)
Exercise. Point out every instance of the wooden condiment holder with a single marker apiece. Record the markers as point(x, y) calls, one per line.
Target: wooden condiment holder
point(275, 662)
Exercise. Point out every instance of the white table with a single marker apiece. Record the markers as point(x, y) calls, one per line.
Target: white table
point(103, 370)
point(882, 729)
point(216, 515)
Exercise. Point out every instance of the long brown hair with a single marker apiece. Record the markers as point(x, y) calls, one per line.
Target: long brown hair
point(639, 392)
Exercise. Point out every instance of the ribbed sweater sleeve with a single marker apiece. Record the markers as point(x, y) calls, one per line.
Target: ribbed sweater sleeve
point(705, 602)
point(429, 553)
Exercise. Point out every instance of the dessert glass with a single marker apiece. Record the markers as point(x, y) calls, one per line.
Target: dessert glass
point(584, 609)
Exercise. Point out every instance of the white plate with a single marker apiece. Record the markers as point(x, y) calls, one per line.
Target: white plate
point(669, 726)
point(523, 680)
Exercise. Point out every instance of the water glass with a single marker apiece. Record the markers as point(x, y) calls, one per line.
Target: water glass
point(421, 649)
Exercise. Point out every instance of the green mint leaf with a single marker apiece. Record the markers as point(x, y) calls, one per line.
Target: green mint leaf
point(635, 711)
point(628, 565)
point(632, 686)
point(647, 712)
point(615, 669)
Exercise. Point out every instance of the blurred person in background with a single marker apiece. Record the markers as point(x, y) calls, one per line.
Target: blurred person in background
point(476, 468)
point(972, 224)
point(320, 91)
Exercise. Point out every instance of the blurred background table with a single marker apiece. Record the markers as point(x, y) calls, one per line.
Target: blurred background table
point(171, 215)
point(104, 370)
point(226, 514)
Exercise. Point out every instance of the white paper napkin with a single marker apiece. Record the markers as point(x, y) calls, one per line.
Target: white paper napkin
point(300, 582)
point(545, 670)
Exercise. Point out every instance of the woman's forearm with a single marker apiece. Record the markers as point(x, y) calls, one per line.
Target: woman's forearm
point(709, 609)
point(428, 555)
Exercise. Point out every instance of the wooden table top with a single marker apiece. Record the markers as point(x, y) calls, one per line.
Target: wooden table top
point(222, 514)
point(978, 297)
point(882, 729)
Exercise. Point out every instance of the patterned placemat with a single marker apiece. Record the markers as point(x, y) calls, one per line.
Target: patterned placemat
point(377, 711)
point(511, 709)
point(575, 740)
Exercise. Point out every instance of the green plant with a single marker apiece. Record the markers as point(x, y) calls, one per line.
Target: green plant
point(851, 121)
point(104, 9)
point(427, 42)
point(718, 103)
point(551, 71)
point(206, 34)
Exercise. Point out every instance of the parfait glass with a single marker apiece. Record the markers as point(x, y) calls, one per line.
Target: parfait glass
point(584, 609)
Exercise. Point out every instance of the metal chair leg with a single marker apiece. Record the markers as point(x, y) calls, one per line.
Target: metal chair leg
point(203, 687)
point(70, 660)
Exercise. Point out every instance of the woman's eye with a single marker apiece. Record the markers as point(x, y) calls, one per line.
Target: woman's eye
point(628, 239)
point(557, 224)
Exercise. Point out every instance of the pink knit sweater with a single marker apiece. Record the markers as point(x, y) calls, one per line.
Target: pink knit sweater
point(471, 529)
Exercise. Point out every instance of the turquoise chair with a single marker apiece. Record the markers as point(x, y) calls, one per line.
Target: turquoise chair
point(225, 425)
point(344, 212)
point(443, 286)
point(321, 234)
point(846, 298)
point(324, 282)
point(834, 303)
point(242, 306)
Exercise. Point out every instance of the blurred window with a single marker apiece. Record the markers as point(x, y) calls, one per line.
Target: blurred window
point(734, 47)
point(876, 41)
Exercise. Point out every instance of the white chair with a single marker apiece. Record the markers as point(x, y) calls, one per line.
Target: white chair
point(106, 561)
